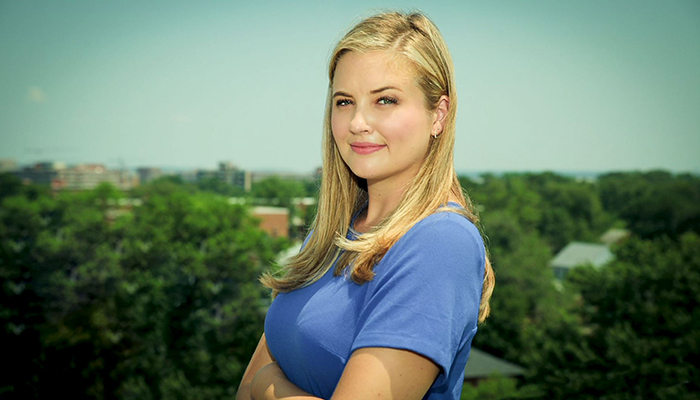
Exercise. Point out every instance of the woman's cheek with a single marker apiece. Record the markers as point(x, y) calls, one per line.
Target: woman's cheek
point(337, 128)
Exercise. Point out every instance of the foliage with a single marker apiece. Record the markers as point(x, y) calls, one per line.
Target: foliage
point(10, 185)
point(570, 347)
point(655, 203)
point(216, 185)
point(495, 387)
point(559, 209)
point(527, 218)
point(107, 299)
point(524, 293)
point(279, 191)
point(639, 335)
point(160, 302)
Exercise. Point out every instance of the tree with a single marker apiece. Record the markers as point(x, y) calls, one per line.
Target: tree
point(558, 208)
point(10, 185)
point(524, 295)
point(496, 387)
point(216, 185)
point(655, 203)
point(526, 218)
point(159, 303)
point(279, 191)
point(640, 327)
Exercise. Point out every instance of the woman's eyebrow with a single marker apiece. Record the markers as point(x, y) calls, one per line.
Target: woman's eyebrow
point(339, 93)
point(375, 91)
point(385, 88)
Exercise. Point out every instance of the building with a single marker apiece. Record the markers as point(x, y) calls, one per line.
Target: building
point(8, 165)
point(228, 173)
point(579, 253)
point(147, 174)
point(273, 220)
point(482, 365)
point(78, 177)
point(44, 173)
point(188, 176)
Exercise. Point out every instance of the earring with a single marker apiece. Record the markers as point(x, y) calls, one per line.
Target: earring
point(435, 134)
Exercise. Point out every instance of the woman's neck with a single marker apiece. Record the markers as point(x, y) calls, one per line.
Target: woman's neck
point(383, 200)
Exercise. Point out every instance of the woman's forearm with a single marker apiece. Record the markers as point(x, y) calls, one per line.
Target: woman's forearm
point(244, 392)
point(261, 357)
point(270, 383)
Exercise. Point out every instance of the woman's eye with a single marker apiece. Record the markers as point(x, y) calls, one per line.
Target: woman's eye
point(386, 100)
point(343, 102)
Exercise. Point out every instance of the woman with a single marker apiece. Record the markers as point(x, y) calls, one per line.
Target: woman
point(384, 298)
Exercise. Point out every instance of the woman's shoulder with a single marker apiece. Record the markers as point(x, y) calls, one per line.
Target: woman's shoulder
point(441, 237)
point(445, 225)
point(444, 249)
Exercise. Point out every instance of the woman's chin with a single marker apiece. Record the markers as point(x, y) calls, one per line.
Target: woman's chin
point(366, 174)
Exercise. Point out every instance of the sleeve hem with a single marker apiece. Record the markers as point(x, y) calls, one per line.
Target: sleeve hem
point(420, 346)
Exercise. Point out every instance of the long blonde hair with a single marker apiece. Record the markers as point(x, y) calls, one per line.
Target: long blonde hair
point(342, 193)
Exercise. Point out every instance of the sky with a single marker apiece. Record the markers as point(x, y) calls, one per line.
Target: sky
point(542, 85)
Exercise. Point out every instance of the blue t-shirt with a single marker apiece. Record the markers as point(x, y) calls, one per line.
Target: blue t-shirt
point(424, 297)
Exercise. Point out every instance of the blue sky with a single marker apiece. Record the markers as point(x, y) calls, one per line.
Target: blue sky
point(542, 85)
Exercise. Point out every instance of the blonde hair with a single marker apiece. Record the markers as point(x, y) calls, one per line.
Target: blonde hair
point(342, 194)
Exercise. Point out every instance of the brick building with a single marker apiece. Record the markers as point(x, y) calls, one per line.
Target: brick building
point(273, 220)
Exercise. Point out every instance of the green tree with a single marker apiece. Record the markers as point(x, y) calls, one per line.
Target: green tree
point(216, 185)
point(48, 247)
point(654, 203)
point(560, 209)
point(10, 185)
point(496, 387)
point(640, 332)
point(278, 191)
point(524, 296)
point(571, 211)
point(159, 303)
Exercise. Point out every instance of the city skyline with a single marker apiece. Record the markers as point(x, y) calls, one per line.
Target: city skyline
point(542, 85)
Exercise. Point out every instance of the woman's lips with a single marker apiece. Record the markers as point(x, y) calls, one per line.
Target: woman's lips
point(366, 148)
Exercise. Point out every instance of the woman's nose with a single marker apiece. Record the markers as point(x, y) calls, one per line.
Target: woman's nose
point(359, 124)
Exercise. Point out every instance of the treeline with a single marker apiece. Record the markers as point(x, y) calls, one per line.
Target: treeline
point(106, 298)
point(160, 301)
point(271, 191)
point(629, 330)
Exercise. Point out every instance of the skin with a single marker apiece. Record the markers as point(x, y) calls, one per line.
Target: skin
point(375, 100)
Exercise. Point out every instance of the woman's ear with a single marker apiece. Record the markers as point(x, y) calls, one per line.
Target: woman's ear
point(441, 111)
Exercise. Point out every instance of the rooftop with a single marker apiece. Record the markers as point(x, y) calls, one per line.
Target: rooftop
point(482, 364)
point(578, 253)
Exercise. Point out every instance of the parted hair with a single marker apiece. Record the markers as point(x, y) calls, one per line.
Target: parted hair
point(342, 194)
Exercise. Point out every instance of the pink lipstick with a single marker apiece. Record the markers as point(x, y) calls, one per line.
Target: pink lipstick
point(365, 147)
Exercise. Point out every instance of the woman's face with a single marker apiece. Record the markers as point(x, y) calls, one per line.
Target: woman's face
point(379, 120)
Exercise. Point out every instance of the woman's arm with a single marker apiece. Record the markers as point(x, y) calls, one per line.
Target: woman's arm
point(261, 357)
point(371, 373)
point(270, 383)
point(386, 373)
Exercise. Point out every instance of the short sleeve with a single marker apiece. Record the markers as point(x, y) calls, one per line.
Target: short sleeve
point(426, 292)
